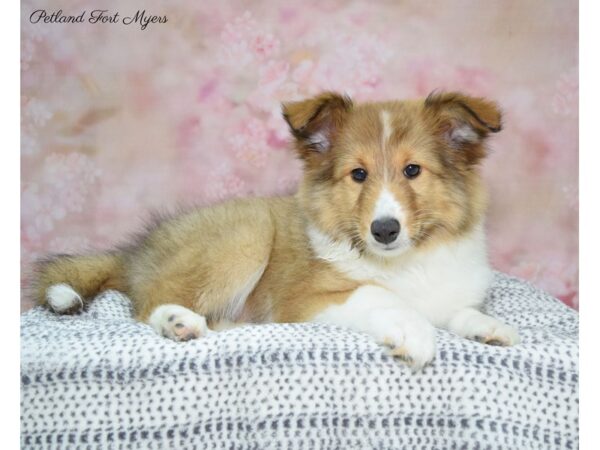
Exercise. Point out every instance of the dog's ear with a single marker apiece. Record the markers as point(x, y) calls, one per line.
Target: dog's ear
point(315, 122)
point(464, 122)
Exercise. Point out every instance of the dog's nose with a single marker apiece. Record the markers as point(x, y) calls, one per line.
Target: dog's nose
point(385, 230)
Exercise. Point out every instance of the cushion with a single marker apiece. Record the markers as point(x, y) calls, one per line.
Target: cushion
point(100, 379)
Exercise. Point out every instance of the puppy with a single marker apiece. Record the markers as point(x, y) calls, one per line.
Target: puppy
point(384, 236)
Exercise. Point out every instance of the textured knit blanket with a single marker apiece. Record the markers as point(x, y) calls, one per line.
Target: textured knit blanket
point(101, 380)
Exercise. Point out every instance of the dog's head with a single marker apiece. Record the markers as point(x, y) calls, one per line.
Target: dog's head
point(392, 176)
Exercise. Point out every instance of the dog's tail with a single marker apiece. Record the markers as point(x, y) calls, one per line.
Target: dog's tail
point(65, 282)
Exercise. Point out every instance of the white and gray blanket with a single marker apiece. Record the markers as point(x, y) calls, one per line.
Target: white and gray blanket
point(101, 380)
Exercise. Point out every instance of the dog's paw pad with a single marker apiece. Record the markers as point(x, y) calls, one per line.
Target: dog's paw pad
point(63, 299)
point(494, 342)
point(401, 354)
point(178, 323)
point(414, 345)
point(501, 336)
point(186, 332)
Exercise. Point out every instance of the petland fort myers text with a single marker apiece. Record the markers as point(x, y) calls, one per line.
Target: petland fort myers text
point(97, 16)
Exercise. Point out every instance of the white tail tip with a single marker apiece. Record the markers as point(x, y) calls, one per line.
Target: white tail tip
point(62, 297)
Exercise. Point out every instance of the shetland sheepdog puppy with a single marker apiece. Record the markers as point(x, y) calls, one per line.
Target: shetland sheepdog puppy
point(384, 236)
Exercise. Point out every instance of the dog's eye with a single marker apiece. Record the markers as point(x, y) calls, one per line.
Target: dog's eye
point(359, 175)
point(412, 171)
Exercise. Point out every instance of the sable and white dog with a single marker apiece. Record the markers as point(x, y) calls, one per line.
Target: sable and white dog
point(385, 236)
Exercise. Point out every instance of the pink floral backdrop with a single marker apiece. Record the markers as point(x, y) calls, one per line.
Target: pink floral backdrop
point(117, 121)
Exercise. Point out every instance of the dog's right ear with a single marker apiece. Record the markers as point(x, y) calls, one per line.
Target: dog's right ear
point(315, 122)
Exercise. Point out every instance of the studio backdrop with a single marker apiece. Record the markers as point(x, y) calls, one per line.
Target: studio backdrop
point(129, 107)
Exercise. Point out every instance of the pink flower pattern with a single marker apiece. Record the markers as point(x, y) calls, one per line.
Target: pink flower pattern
point(117, 122)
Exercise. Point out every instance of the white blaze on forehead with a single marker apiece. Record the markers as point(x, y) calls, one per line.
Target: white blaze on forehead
point(386, 127)
point(388, 207)
point(386, 132)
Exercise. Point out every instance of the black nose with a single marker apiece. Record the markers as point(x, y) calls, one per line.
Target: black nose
point(385, 230)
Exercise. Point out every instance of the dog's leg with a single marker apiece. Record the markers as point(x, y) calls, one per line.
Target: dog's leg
point(383, 315)
point(177, 306)
point(473, 324)
point(207, 276)
point(222, 303)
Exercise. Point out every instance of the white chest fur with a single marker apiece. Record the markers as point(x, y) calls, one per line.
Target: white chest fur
point(436, 282)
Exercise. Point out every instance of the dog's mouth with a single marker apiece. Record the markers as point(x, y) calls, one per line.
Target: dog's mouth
point(392, 249)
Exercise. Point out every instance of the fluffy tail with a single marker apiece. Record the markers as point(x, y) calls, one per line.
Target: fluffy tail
point(64, 282)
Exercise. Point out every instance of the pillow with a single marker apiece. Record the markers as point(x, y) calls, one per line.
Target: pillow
point(99, 379)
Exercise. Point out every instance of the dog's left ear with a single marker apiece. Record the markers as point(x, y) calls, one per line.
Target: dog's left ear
point(315, 122)
point(463, 121)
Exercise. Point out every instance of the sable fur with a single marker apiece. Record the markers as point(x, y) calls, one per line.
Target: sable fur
point(201, 259)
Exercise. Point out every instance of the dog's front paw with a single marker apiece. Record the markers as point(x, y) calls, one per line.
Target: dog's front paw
point(475, 325)
point(409, 336)
point(178, 323)
point(496, 333)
